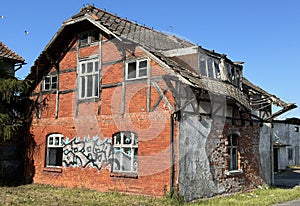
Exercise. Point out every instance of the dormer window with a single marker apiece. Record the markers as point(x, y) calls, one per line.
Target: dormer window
point(136, 69)
point(89, 37)
point(209, 67)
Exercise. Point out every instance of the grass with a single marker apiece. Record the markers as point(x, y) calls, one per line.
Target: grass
point(35, 194)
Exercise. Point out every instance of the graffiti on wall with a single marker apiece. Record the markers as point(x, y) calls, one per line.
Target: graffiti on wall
point(87, 152)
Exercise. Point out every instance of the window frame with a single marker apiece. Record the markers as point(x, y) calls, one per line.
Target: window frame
point(58, 146)
point(51, 82)
point(133, 146)
point(85, 75)
point(137, 69)
point(91, 37)
point(233, 166)
point(209, 67)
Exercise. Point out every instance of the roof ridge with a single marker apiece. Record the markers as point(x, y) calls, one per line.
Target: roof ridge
point(134, 29)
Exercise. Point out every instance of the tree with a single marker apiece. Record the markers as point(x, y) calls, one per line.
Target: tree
point(13, 107)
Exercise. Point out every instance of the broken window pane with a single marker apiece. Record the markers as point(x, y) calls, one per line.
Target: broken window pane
point(203, 68)
point(210, 68)
point(83, 39)
point(131, 70)
point(125, 152)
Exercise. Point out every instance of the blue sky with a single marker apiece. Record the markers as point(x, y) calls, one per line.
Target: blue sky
point(262, 33)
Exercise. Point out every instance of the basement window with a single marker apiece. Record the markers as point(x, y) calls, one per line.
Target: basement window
point(50, 82)
point(54, 150)
point(136, 69)
point(125, 152)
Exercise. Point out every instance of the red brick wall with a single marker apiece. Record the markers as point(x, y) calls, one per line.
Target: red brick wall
point(248, 147)
point(153, 128)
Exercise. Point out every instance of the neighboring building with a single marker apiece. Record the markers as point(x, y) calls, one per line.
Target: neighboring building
point(286, 143)
point(11, 158)
point(9, 60)
point(122, 107)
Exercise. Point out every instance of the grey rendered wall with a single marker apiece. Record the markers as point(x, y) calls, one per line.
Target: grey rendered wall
point(195, 179)
point(265, 153)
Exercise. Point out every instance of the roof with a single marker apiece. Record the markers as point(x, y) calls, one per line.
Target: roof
point(147, 37)
point(151, 40)
point(8, 54)
point(275, 100)
point(212, 85)
point(294, 121)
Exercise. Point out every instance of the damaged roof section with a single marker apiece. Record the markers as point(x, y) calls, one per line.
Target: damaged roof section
point(212, 85)
point(265, 99)
point(167, 49)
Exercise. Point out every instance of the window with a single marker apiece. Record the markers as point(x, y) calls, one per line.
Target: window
point(296, 129)
point(209, 67)
point(50, 82)
point(54, 150)
point(125, 152)
point(290, 153)
point(89, 37)
point(233, 152)
point(137, 69)
point(89, 79)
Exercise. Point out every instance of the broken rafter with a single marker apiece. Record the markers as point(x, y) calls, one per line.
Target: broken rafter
point(285, 109)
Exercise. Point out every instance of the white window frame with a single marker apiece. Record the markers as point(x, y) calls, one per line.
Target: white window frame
point(52, 144)
point(85, 75)
point(120, 145)
point(51, 82)
point(137, 69)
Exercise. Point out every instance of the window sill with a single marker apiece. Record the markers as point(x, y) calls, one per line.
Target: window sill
point(136, 79)
point(53, 169)
point(124, 175)
point(91, 99)
point(233, 172)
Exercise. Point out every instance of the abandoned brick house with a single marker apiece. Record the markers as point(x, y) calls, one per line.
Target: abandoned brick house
point(122, 107)
point(11, 157)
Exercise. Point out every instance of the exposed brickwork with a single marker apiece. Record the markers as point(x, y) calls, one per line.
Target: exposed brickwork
point(248, 146)
point(153, 128)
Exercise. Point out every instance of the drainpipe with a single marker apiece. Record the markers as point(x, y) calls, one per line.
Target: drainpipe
point(172, 172)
